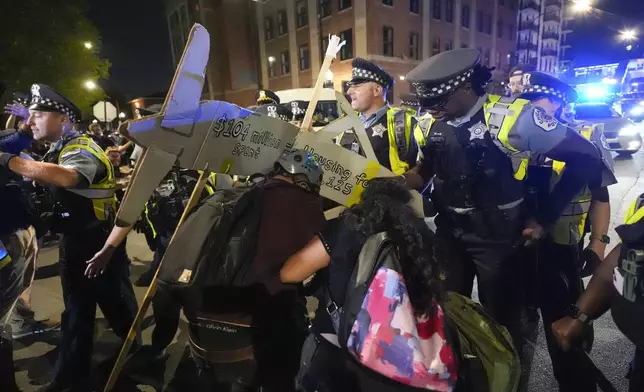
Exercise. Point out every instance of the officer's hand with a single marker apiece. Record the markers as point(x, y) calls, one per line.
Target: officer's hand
point(96, 266)
point(567, 331)
point(591, 259)
point(533, 231)
point(17, 110)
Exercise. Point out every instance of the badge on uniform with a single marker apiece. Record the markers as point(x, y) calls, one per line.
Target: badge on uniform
point(477, 131)
point(272, 111)
point(543, 121)
point(378, 130)
point(355, 147)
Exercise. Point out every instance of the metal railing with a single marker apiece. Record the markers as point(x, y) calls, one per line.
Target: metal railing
point(550, 35)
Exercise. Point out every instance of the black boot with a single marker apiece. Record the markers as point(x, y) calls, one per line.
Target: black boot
point(7, 370)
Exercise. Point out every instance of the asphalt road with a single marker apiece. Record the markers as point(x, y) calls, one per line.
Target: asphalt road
point(35, 356)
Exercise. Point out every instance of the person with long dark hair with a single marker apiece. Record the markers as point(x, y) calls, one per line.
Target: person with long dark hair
point(384, 207)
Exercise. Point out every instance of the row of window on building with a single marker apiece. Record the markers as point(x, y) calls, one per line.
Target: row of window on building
point(483, 22)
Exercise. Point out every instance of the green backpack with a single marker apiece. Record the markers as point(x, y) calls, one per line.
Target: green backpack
point(488, 360)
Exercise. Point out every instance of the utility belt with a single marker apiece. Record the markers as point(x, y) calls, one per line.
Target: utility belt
point(501, 223)
point(63, 222)
point(222, 338)
point(629, 274)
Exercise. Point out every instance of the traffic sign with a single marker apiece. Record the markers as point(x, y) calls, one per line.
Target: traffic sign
point(104, 111)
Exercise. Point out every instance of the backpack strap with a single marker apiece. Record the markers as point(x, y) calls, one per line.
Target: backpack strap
point(366, 261)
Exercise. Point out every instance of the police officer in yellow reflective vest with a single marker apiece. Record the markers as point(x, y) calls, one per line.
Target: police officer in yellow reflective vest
point(390, 130)
point(618, 285)
point(477, 148)
point(559, 269)
point(82, 184)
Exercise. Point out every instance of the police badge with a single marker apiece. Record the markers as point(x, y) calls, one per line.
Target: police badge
point(378, 130)
point(478, 131)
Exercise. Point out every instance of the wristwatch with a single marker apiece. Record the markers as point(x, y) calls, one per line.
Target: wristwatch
point(604, 239)
point(576, 313)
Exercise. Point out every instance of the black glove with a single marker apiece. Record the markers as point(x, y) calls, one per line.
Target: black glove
point(590, 261)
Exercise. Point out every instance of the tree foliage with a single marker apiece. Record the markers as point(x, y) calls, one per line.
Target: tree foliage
point(43, 42)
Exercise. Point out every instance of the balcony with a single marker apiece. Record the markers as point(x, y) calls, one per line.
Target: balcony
point(547, 52)
point(528, 25)
point(527, 45)
point(554, 3)
point(530, 5)
point(552, 17)
point(553, 35)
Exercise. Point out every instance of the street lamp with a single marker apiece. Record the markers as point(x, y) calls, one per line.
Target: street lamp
point(271, 59)
point(401, 77)
point(88, 45)
point(329, 79)
point(121, 115)
point(628, 35)
point(90, 85)
point(581, 5)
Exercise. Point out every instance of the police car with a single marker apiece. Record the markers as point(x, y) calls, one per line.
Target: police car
point(622, 134)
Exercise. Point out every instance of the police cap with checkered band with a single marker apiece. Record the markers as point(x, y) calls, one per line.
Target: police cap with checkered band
point(263, 97)
point(46, 99)
point(365, 71)
point(443, 73)
point(539, 84)
point(274, 110)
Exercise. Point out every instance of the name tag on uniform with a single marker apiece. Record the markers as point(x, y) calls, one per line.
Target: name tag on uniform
point(618, 281)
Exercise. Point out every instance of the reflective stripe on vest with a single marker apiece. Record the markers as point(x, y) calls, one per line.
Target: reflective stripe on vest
point(570, 225)
point(4, 256)
point(102, 194)
point(398, 120)
point(635, 212)
point(501, 114)
point(147, 218)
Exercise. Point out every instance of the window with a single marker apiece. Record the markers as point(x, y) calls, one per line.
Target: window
point(479, 21)
point(414, 6)
point(282, 27)
point(388, 2)
point(286, 62)
point(448, 45)
point(511, 32)
point(343, 4)
point(302, 13)
point(486, 57)
point(413, 46)
point(436, 46)
point(488, 25)
point(464, 46)
point(268, 28)
point(387, 41)
point(449, 11)
point(465, 17)
point(303, 57)
point(271, 67)
point(325, 44)
point(499, 28)
point(325, 8)
point(436, 9)
point(346, 52)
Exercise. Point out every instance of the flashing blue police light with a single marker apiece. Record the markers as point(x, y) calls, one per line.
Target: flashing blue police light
point(595, 92)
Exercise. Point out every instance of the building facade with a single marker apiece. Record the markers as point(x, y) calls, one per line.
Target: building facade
point(543, 28)
point(280, 44)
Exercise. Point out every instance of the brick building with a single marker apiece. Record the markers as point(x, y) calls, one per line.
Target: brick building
point(289, 37)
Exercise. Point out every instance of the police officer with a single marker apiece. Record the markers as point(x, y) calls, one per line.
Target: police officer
point(390, 130)
point(618, 285)
point(515, 82)
point(558, 251)
point(477, 146)
point(268, 103)
point(81, 182)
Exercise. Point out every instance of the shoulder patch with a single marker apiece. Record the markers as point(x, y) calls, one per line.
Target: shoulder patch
point(543, 121)
point(70, 152)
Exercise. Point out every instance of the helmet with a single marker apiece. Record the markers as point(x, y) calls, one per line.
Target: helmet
point(297, 161)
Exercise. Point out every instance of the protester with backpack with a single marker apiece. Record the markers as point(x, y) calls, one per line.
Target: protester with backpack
point(401, 291)
point(222, 268)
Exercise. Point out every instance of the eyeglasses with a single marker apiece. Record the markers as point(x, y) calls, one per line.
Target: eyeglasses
point(439, 103)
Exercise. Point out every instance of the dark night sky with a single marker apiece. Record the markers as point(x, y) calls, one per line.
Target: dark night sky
point(135, 40)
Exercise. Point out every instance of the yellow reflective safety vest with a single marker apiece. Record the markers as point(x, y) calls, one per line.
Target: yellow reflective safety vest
point(5, 258)
point(635, 212)
point(102, 194)
point(399, 132)
point(501, 113)
point(568, 229)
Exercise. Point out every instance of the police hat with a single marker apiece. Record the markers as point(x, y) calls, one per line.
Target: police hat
point(21, 98)
point(366, 71)
point(266, 96)
point(274, 110)
point(443, 73)
point(409, 100)
point(539, 84)
point(520, 69)
point(46, 99)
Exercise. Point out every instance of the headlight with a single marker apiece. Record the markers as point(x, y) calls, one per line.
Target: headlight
point(628, 130)
point(637, 111)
